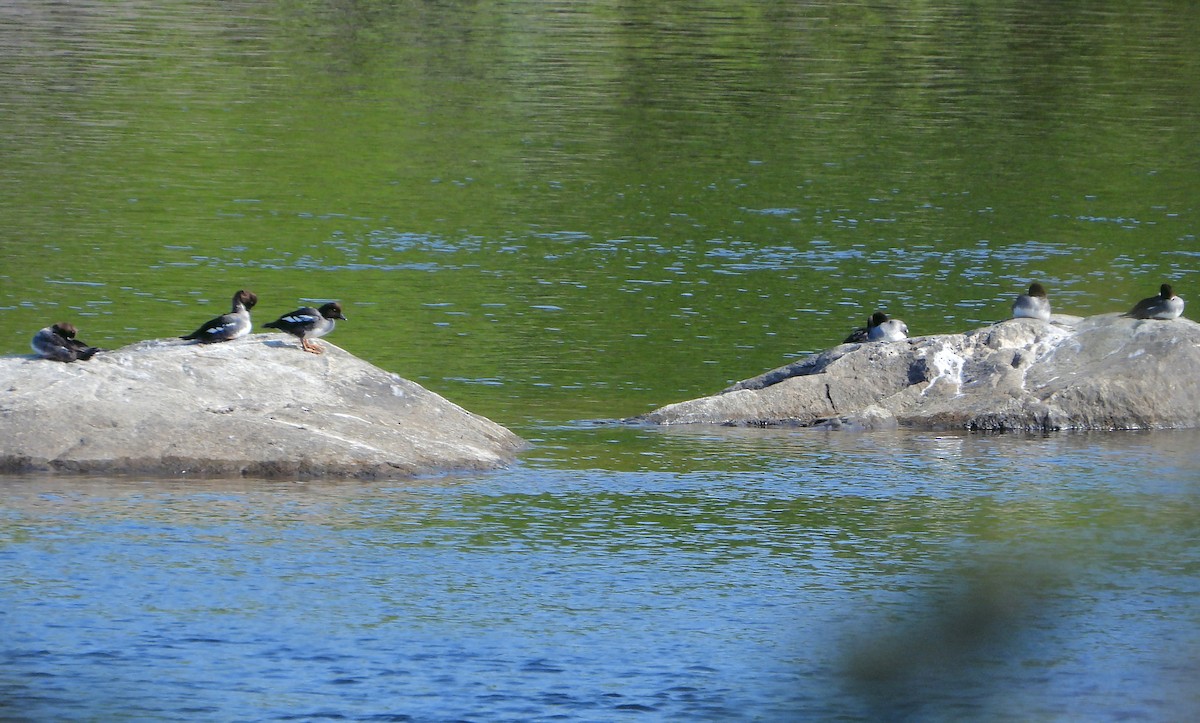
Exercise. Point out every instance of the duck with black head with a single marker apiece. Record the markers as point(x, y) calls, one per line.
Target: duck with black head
point(888, 329)
point(879, 328)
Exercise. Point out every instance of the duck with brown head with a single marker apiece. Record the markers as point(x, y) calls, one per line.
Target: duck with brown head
point(1164, 306)
point(227, 327)
point(1034, 305)
point(308, 323)
point(58, 343)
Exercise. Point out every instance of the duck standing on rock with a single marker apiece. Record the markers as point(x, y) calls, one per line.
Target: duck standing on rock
point(1164, 306)
point(58, 343)
point(879, 328)
point(227, 327)
point(308, 323)
point(1033, 305)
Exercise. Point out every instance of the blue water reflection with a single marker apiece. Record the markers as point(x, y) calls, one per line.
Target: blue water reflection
point(581, 212)
point(826, 575)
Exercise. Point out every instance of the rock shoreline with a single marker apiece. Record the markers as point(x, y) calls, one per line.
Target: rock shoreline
point(1104, 372)
point(254, 407)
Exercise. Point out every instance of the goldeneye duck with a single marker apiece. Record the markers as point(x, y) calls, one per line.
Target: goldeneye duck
point(58, 343)
point(887, 330)
point(1033, 305)
point(860, 334)
point(227, 327)
point(309, 323)
point(1164, 306)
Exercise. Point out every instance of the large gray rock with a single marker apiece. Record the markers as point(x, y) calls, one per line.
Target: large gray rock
point(258, 406)
point(1101, 372)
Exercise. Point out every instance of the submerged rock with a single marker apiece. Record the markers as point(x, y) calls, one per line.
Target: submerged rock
point(1100, 372)
point(256, 406)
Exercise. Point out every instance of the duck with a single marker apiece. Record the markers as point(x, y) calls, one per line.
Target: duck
point(308, 323)
point(879, 328)
point(227, 327)
point(887, 330)
point(1034, 305)
point(1164, 306)
point(859, 335)
point(58, 343)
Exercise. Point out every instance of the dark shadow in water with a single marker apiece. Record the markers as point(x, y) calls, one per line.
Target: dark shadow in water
point(971, 620)
point(964, 647)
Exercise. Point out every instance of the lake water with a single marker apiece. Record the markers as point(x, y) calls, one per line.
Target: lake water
point(557, 215)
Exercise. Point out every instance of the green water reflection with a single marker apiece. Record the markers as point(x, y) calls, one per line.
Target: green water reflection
point(584, 211)
point(576, 211)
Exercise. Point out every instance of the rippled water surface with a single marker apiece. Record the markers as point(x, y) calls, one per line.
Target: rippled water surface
point(557, 215)
point(678, 575)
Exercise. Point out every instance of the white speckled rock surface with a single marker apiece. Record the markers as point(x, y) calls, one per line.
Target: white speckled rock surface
point(1095, 373)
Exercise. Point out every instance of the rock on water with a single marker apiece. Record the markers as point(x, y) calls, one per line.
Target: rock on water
point(258, 406)
point(1100, 372)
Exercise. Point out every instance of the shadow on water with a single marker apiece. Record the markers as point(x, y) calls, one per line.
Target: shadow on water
point(964, 646)
point(954, 640)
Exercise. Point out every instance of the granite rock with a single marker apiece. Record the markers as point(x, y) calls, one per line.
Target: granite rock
point(257, 406)
point(1097, 373)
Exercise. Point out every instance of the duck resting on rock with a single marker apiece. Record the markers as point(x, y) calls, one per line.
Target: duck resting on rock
point(1034, 305)
point(1164, 306)
point(58, 343)
point(879, 328)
